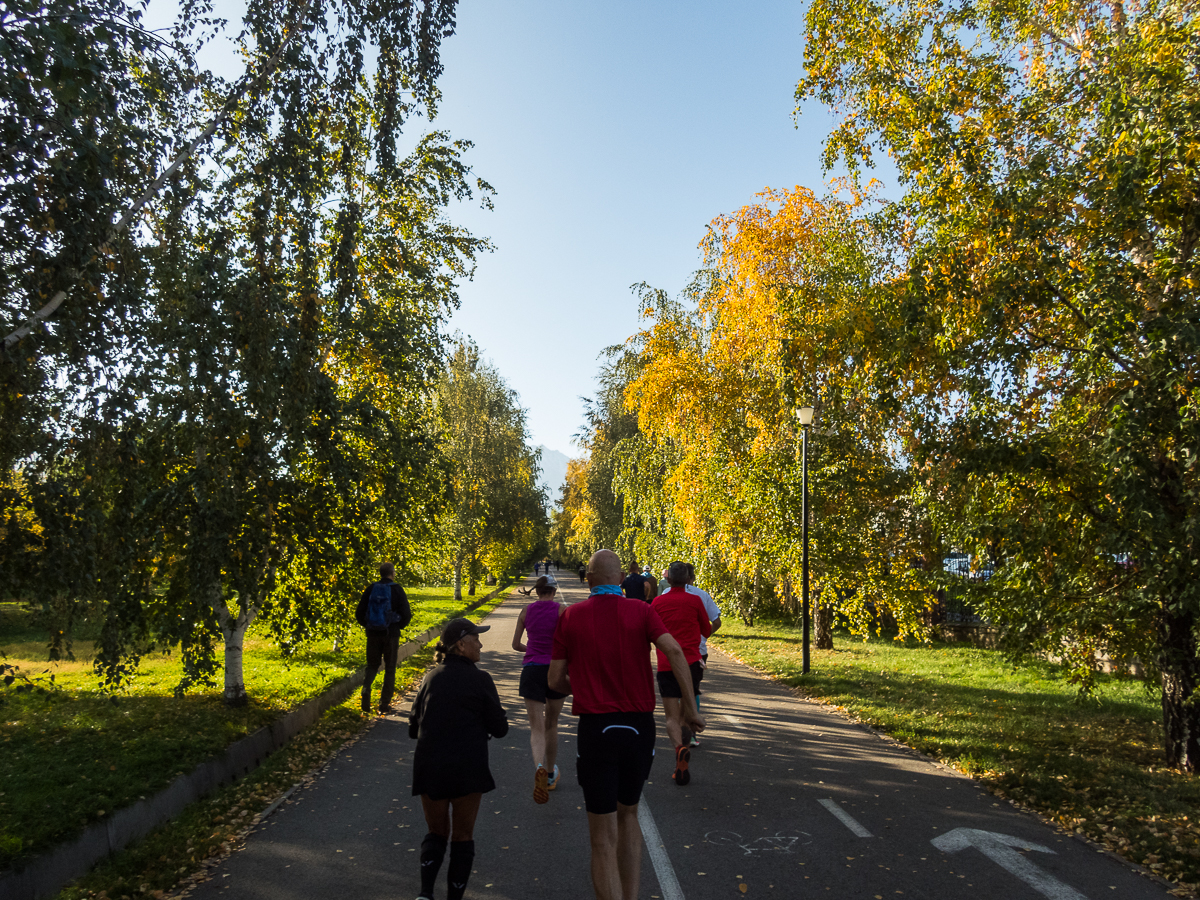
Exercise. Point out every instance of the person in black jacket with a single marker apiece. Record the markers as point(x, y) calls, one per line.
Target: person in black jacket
point(454, 713)
point(383, 644)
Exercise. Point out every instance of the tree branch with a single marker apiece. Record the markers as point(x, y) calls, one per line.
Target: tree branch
point(230, 104)
point(1125, 364)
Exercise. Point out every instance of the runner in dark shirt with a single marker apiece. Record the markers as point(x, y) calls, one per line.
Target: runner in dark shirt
point(383, 645)
point(455, 711)
point(634, 585)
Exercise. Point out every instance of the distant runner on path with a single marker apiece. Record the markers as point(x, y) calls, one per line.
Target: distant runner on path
point(601, 653)
point(634, 585)
point(651, 584)
point(455, 710)
point(538, 620)
point(714, 616)
point(686, 618)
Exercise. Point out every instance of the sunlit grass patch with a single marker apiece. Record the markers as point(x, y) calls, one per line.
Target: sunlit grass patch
point(1094, 766)
point(71, 755)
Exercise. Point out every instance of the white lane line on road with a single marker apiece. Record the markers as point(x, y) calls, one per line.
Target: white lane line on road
point(736, 723)
point(845, 818)
point(667, 881)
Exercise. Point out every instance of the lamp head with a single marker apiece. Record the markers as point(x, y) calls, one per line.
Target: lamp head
point(805, 415)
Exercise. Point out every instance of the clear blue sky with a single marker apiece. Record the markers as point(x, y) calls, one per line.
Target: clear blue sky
point(613, 133)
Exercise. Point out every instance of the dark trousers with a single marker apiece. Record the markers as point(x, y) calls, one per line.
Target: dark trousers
point(381, 648)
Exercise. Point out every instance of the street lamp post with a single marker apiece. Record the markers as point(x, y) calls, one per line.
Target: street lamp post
point(805, 415)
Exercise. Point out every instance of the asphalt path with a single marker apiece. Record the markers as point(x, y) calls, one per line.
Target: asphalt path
point(787, 799)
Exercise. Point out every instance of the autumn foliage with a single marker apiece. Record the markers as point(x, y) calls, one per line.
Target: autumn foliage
point(783, 317)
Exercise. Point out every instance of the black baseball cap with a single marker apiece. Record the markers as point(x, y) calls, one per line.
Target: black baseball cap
point(457, 629)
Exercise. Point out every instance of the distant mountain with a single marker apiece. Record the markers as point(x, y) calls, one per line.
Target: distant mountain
point(554, 473)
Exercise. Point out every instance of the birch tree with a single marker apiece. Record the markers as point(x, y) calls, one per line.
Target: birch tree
point(784, 317)
point(1050, 160)
point(494, 498)
point(247, 396)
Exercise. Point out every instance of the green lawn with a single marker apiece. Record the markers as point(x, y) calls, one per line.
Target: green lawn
point(1093, 766)
point(72, 755)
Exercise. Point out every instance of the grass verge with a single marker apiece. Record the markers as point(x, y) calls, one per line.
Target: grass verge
point(178, 856)
point(1092, 766)
point(71, 754)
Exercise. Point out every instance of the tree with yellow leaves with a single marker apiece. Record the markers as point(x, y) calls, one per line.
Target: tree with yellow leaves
point(785, 316)
point(1050, 156)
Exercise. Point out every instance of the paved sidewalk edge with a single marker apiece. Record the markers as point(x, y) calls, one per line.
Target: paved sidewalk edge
point(49, 872)
point(886, 738)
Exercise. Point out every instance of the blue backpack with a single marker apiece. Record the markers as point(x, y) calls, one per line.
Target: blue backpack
point(379, 607)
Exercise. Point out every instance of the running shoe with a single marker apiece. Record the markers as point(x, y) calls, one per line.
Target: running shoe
point(695, 741)
point(540, 792)
point(552, 782)
point(681, 774)
point(387, 710)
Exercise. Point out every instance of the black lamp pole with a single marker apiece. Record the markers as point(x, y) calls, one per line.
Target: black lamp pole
point(804, 532)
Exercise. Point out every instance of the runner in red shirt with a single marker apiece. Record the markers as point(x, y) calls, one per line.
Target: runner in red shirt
point(602, 654)
point(687, 620)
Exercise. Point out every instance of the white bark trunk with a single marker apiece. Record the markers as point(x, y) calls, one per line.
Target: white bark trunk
point(233, 630)
point(458, 567)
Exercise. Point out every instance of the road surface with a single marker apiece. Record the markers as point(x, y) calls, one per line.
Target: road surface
point(787, 799)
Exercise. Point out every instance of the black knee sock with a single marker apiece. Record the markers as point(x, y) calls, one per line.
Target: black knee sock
point(433, 849)
point(462, 854)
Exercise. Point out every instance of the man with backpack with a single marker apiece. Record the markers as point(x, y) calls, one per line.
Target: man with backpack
point(383, 612)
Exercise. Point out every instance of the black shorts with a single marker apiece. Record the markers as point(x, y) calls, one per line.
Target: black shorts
point(535, 685)
point(669, 687)
point(615, 753)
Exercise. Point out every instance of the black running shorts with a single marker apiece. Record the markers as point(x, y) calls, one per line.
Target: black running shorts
point(669, 687)
point(616, 751)
point(535, 684)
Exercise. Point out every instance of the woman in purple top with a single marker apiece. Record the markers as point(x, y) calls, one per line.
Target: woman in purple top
point(538, 621)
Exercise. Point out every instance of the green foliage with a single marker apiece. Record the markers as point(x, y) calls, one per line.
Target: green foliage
point(1050, 157)
point(233, 425)
point(496, 514)
point(593, 512)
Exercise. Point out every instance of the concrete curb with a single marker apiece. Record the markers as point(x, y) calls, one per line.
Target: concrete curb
point(47, 874)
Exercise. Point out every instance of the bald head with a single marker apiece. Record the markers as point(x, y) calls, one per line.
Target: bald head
point(604, 568)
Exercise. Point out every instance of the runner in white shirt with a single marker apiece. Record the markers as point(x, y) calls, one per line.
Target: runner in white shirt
point(714, 616)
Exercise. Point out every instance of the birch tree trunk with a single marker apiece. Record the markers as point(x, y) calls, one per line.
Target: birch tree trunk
point(458, 567)
point(233, 630)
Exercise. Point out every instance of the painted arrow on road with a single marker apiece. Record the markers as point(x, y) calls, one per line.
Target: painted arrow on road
point(1002, 850)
